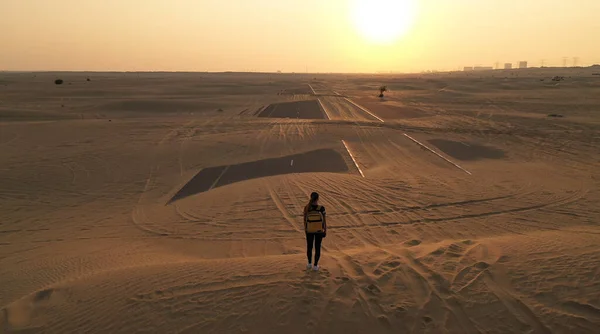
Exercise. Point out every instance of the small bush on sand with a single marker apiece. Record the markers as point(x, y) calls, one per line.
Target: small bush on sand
point(58, 81)
point(382, 89)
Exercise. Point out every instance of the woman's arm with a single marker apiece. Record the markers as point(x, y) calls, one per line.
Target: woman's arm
point(305, 213)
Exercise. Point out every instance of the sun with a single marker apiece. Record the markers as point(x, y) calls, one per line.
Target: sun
point(383, 21)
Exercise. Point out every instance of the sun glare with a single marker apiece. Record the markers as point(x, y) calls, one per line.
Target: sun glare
point(383, 21)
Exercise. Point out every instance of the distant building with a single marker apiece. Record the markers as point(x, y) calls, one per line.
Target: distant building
point(522, 64)
point(483, 68)
point(508, 66)
point(468, 68)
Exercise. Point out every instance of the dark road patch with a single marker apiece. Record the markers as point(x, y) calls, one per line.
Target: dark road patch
point(201, 182)
point(299, 109)
point(386, 110)
point(467, 151)
point(302, 90)
point(323, 160)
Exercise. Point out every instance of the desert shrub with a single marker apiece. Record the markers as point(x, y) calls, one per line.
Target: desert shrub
point(382, 89)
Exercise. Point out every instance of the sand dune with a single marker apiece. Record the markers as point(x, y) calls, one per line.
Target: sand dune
point(172, 203)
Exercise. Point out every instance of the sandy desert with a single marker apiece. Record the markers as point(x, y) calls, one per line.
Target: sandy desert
point(172, 202)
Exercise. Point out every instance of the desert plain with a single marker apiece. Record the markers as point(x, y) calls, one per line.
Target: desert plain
point(172, 202)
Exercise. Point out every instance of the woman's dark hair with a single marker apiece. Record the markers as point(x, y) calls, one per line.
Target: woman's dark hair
point(313, 198)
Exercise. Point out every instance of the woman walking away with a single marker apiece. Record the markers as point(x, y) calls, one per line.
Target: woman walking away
point(315, 226)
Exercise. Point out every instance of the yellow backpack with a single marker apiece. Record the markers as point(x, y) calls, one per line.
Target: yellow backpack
point(314, 220)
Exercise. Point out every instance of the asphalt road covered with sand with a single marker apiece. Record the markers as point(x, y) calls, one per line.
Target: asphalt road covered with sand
point(172, 202)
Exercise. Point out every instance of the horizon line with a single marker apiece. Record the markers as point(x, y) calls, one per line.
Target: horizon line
point(283, 72)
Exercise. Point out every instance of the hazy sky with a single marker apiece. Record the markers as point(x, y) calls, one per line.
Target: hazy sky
point(291, 35)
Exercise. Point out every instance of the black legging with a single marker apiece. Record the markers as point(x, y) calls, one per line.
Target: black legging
point(316, 238)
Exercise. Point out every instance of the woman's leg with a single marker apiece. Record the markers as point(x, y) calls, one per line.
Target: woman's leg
point(318, 239)
point(310, 237)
